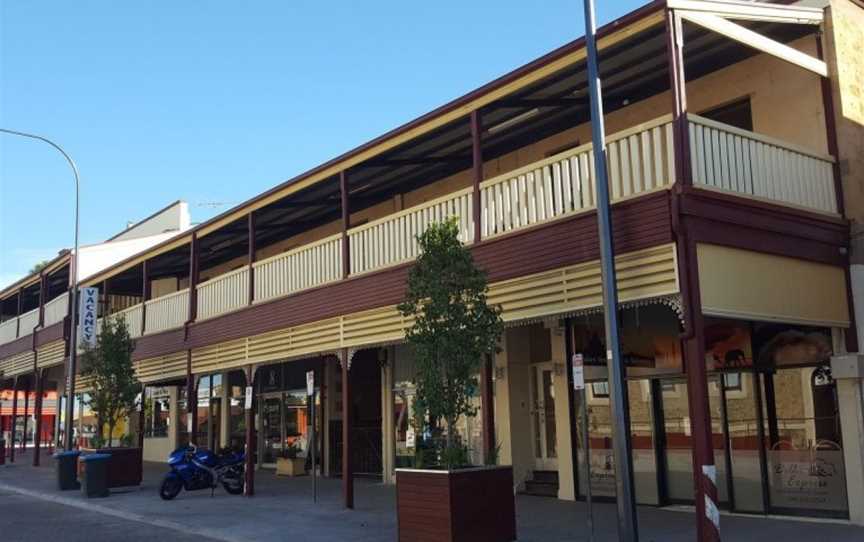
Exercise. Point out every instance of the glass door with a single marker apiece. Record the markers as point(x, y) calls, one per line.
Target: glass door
point(543, 417)
point(678, 439)
point(271, 429)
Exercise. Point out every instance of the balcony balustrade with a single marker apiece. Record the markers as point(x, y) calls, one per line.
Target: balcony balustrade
point(56, 309)
point(224, 293)
point(167, 312)
point(299, 269)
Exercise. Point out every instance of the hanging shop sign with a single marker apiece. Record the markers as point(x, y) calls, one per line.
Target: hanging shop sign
point(248, 404)
point(310, 383)
point(87, 316)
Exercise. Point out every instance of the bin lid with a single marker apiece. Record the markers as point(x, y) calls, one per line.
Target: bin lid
point(70, 453)
point(95, 457)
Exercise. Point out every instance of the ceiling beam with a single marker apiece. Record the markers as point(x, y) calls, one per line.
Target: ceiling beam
point(751, 11)
point(755, 40)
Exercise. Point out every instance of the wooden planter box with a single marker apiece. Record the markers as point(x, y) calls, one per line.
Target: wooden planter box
point(291, 467)
point(125, 468)
point(475, 505)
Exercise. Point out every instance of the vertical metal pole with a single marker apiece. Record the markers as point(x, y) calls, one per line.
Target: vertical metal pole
point(12, 420)
point(312, 447)
point(191, 402)
point(145, 294)
point(487, 405)
point(249, 473)
point(627, 521)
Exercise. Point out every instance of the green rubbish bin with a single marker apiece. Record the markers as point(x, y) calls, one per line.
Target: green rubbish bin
point(67, 470)
point(95, 482)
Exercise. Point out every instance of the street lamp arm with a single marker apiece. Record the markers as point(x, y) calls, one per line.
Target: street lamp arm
point(73, 273)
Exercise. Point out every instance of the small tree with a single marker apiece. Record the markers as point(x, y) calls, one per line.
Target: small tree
point(454, 328)
point(114, 388)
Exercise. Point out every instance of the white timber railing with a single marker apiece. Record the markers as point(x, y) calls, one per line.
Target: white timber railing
point(393, 239)
point(132, 316)
point(56, 309)
point(734, 160)
point(299, 269)
point(167, 312)
point(9, 331)
point(639, 160)
point(27, 322)
point(224, 293)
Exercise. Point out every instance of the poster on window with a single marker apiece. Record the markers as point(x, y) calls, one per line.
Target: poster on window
point(728, 346)
point(809, 479)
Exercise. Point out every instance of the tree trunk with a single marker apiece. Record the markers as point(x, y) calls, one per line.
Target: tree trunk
point(110, 433)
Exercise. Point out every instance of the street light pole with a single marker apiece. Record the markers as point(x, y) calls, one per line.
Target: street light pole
point(627, 522)
point(73, 350)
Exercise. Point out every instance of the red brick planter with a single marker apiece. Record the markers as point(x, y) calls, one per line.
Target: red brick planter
point(475, 505)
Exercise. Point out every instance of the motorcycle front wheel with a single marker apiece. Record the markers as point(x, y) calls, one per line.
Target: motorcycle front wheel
point(170, 487)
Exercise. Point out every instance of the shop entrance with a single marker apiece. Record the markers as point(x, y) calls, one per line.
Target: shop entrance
point(543, 417)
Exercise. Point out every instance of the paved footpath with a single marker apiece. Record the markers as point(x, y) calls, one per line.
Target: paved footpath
point(32, 509)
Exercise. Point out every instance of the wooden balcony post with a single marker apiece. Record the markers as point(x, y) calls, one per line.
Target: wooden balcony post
point(678, 86)
point(191, 401)
point(487, 405)
point(145, 294)
point(346, 217)
point(26, 408)
point(193, 278)
point(249, 417)
point(12, 420)
point(477, 158)
point(38, 375)
point(141, 413)
point(43, 295)
point(250, 222)
point(18, 311)
point(347, 466)
point(106, 303)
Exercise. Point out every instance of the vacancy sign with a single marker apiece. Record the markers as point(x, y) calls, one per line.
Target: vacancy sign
point(87, 314)
point(578, 372)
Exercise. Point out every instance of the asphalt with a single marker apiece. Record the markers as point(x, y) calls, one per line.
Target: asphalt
point(31, 508)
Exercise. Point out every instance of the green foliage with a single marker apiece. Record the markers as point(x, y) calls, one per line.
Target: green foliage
point(454, 328)
point(39, 266)
point(114, 386)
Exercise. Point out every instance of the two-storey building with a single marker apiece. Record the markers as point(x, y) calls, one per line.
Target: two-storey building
point(734, 154)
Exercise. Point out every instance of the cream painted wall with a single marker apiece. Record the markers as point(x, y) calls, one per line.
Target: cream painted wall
point(516, 382)
point(157, 449)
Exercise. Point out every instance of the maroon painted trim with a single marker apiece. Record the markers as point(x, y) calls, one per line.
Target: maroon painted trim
point(249, 417)
point(250, 257)
point(193, 278)
point(477, 169)
point(21, 344)
point(39, 376)
point(145, 294)
point(52, 333)
point(191, 401)
point(347, 427)
point(346, 223)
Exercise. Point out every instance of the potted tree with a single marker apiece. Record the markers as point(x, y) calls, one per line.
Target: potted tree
point(454, 328)
point(290, 464)
point(112, 398)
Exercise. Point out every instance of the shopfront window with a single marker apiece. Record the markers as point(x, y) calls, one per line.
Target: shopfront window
point(236, 410)
point(157, 412)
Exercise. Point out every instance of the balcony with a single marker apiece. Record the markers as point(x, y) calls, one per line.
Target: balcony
point(640, 160)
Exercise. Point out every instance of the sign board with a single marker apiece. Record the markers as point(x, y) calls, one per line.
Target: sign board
point(88, 307)
point(310, 383)
point(248, 404)
point(578, 372)
point(410, 437)
point(189, 423)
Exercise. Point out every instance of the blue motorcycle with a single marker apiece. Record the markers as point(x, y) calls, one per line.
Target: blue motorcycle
point(193, 469)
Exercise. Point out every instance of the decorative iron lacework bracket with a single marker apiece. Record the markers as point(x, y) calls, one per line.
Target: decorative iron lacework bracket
point(672, 301)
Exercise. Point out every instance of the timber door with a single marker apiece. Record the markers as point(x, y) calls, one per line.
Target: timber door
point(543, 432)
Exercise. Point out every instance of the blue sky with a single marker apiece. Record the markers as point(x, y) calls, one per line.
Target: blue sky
point(216, 101)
